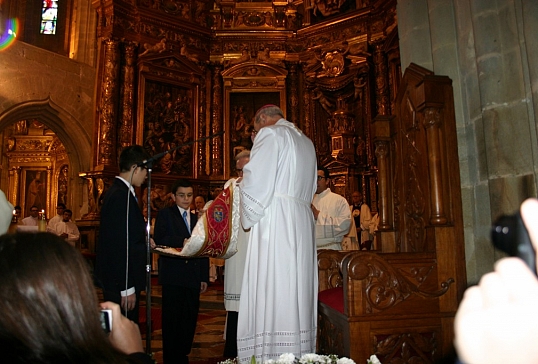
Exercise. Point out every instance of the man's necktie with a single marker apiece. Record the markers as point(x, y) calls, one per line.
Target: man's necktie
point(186, 221)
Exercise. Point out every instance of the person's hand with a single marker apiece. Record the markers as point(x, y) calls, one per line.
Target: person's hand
point(152, 243)
point(128, 302)
point(125, 334)
point(203, 287)
point(497, 321)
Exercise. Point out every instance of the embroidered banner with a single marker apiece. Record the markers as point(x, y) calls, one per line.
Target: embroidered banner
point(215, 233)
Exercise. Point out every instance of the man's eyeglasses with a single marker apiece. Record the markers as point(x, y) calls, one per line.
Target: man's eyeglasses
point(320, 178)
point(34, 210)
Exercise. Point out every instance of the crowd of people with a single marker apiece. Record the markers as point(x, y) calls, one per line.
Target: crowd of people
point(51, 310)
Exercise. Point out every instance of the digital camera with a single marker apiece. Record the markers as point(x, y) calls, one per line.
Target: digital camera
point(106, 320)
point(510, 235)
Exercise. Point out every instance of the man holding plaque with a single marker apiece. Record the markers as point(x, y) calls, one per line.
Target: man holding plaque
point(182, 279)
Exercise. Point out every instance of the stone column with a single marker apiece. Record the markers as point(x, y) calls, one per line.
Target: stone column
point(432, 124)
point(107, 104)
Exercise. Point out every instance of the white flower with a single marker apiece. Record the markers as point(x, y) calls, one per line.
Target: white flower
point(345, 360)
point(305, 359)
point(310, 358)
point(373, 360)
point(286, 358)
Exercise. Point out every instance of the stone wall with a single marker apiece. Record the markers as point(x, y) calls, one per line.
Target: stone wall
point(488, 50)
point(35, 83)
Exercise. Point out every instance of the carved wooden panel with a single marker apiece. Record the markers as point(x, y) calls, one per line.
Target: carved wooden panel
point(168, 116)
point(419, 346)
point(248, 85)
point(391, 307)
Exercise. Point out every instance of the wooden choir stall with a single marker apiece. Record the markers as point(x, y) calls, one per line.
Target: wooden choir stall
point(399, 302)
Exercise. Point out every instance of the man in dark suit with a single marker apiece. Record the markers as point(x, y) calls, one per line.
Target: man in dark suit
point(182, 279)
point(123, 231)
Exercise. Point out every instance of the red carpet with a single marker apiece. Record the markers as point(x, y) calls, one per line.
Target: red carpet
point(156, 319)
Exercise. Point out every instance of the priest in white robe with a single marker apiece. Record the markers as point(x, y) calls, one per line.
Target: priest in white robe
point(233, 277)
point(278, 305)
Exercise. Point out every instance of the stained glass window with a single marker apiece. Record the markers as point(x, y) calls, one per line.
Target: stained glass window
point(49, 16)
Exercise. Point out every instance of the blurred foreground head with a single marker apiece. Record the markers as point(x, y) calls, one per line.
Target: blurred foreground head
point(49, 306)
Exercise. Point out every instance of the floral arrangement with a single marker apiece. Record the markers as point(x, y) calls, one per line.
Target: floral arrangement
point(305, 359)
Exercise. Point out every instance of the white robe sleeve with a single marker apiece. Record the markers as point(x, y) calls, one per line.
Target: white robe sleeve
point(259, 177)
point(73, 232)
point(366, 217)
point(6, 212)
point(334, 224)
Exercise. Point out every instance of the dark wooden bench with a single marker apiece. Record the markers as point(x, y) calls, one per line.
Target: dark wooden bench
point(383, 304)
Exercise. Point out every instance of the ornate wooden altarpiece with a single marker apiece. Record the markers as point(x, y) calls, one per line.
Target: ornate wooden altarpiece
point(173, 71)
point(38, 167)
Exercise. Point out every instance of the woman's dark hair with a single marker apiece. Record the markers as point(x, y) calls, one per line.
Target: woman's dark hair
point(49, 305)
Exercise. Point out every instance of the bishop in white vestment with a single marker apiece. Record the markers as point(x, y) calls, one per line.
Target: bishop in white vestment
point(278, 305)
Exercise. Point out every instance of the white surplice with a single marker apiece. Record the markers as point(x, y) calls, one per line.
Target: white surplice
point(278, 306)
point(334, 219)
point(233, 275)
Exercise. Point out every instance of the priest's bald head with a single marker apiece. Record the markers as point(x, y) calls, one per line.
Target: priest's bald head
point(267, 115)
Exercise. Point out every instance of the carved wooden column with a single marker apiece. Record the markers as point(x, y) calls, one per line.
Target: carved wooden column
point(14, 182)
point(381, 84)
point(432, 124)
point(368, 117)
point(293, 94)
point(307, 117)
point(126, 132)
point(49, 189)
point(107, 104)
point(381, 131)
point(382, 151)
point(307, 8)
point(217, 121)
point(202, 130)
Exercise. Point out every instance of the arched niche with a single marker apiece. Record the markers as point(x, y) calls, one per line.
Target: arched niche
point(247, 87)
point(68, 130)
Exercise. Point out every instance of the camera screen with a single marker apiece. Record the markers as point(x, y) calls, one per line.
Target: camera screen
point(105, 320)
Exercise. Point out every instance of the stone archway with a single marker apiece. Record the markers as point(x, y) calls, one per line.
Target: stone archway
point(70, 132)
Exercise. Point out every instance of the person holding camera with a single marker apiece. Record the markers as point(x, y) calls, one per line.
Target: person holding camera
point(50, 311)
point(497, 320)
